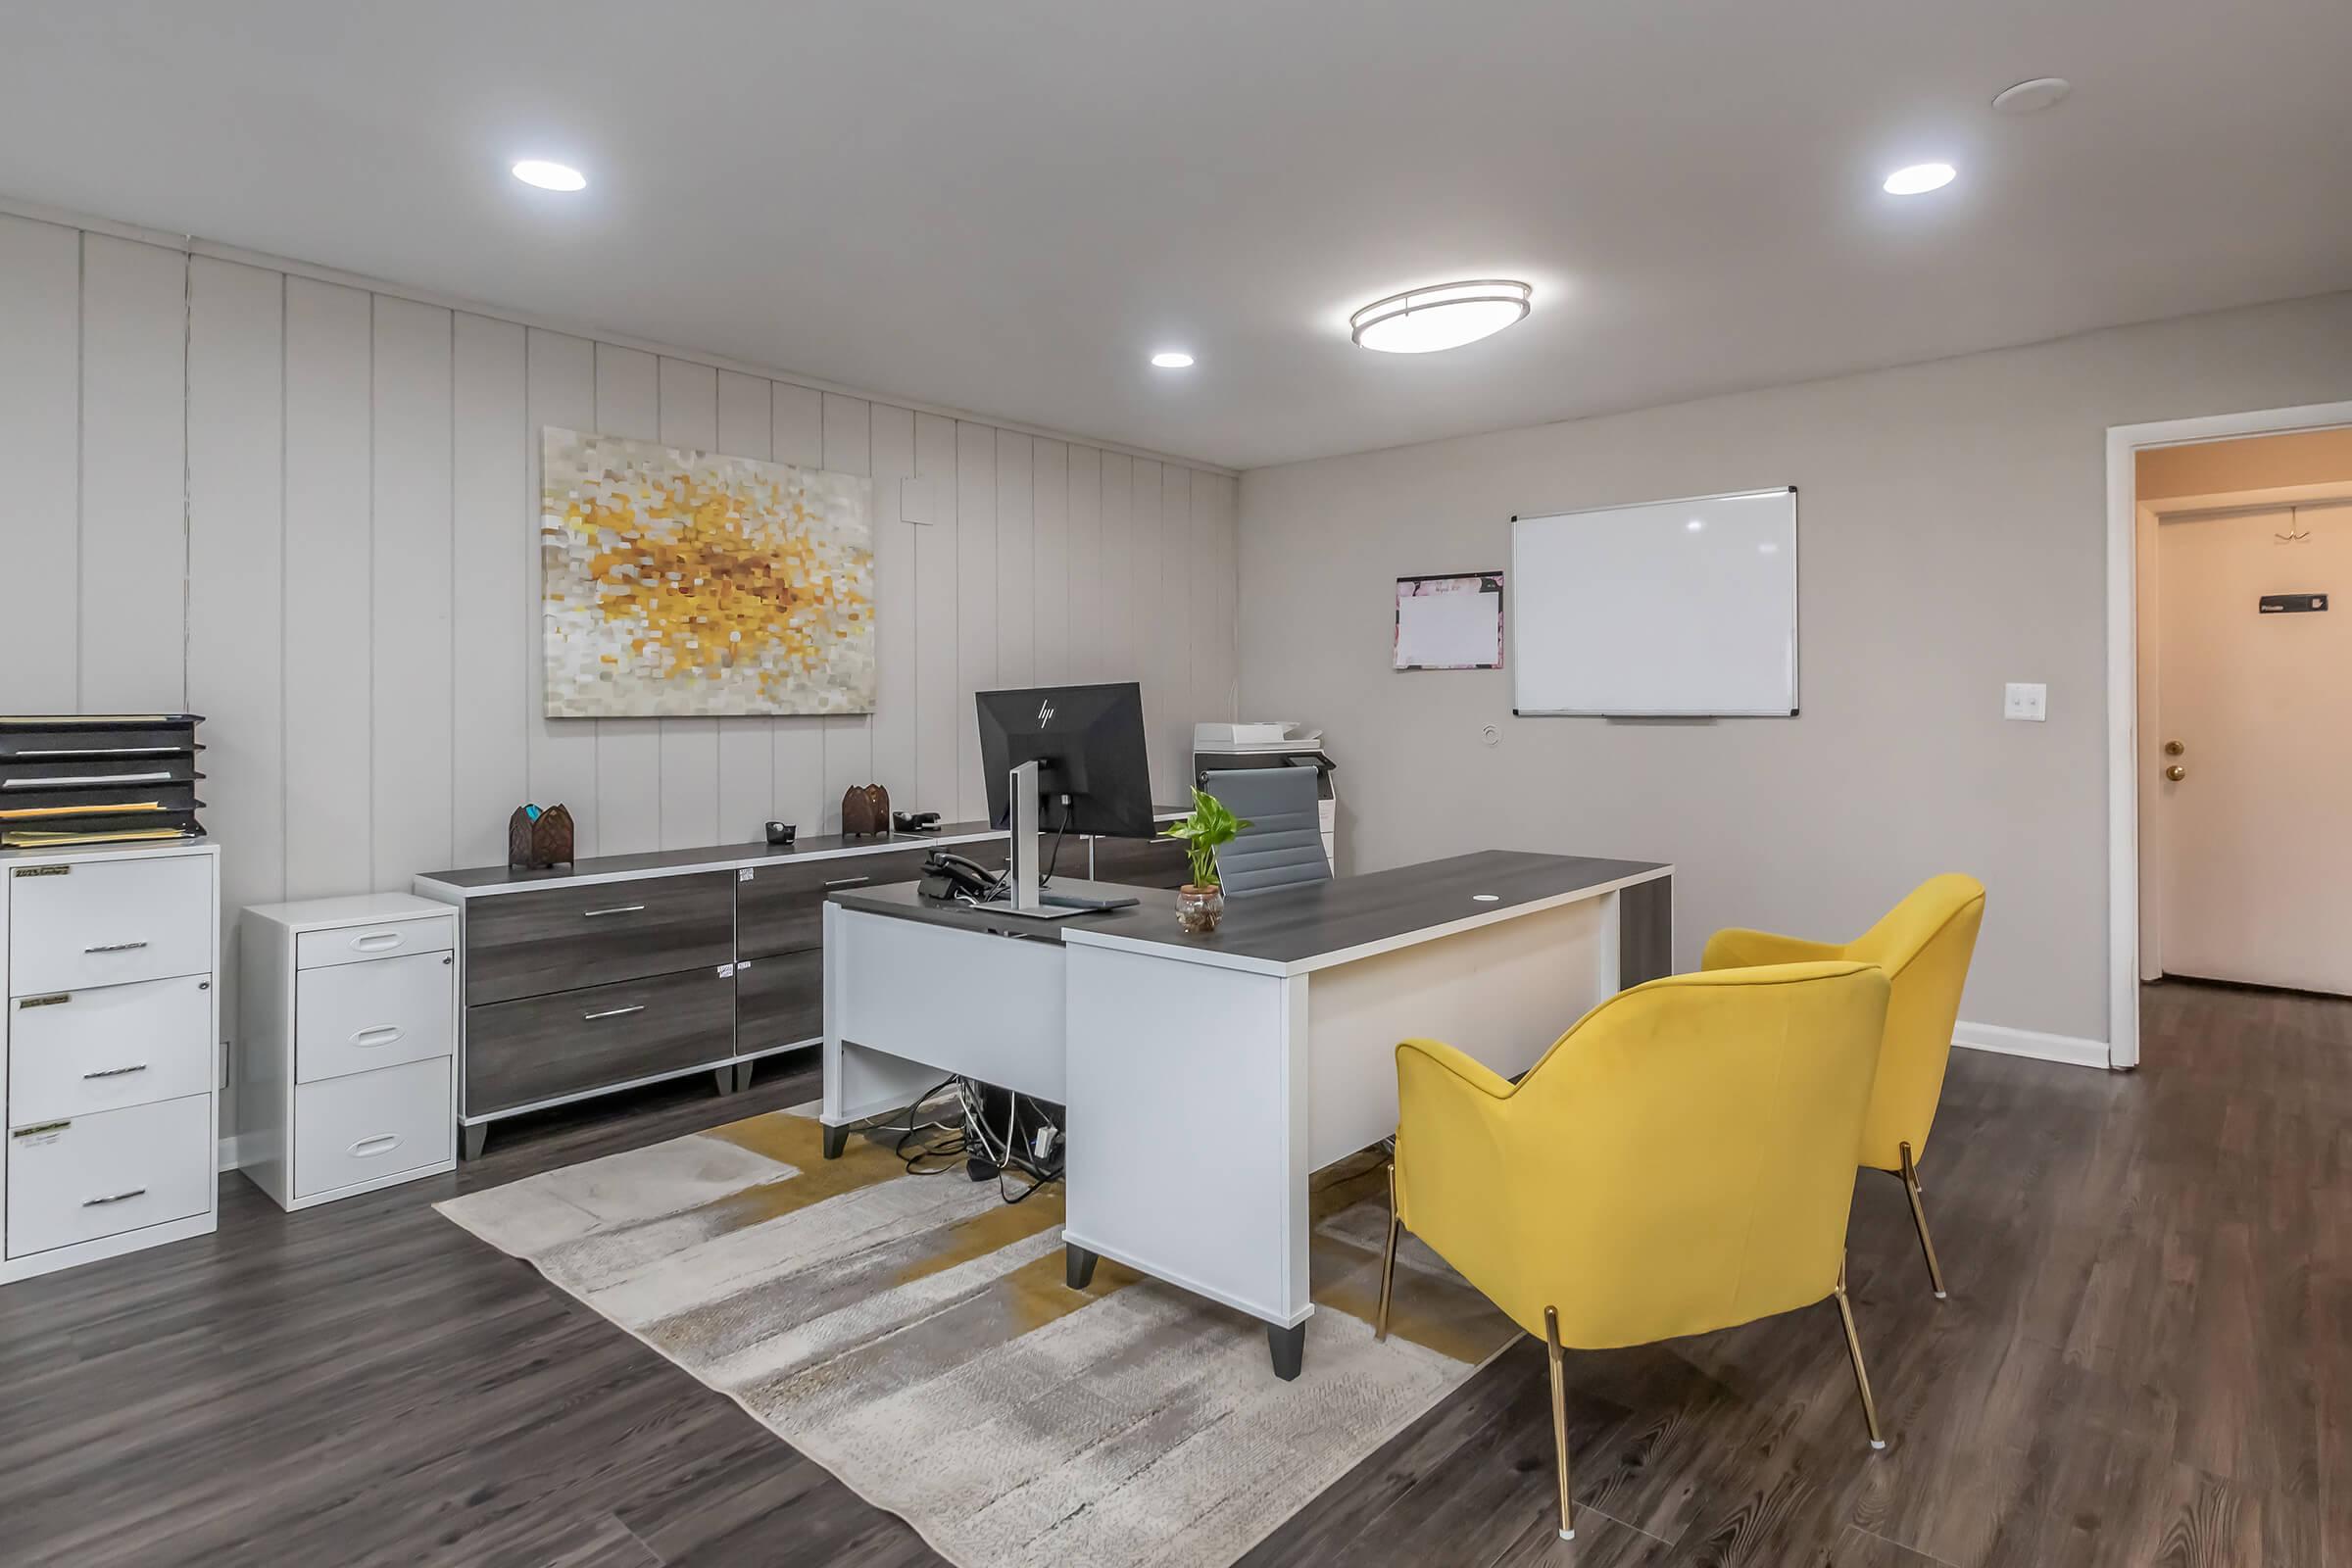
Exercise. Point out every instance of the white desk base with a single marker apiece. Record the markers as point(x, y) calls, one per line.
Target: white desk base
point(1201, 1094)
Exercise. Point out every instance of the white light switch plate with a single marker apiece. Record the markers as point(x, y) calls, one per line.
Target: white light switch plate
point(2026, 700)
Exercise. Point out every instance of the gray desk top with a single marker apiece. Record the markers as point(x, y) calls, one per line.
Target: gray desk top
point(476, 881)
point(716, 858)
point(1299, 929)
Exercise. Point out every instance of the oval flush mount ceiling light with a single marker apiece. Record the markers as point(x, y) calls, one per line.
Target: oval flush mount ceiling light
point(1446, 316)
point(2029, 96)
point(1919, 179)
point(1172, 359)
point(550, 176)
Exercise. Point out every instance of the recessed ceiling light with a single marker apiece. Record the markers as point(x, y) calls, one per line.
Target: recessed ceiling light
point(1421, 321)
point(2029, 96)
point(1695, 524)
point(550, 176)
point(1920, 179)
point(1172, 359)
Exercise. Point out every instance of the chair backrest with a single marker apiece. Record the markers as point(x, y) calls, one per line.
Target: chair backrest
point(1924, 944)
point(1693, 1139)
point(1283, 845)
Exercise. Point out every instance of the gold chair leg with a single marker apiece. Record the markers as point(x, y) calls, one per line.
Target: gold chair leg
point(1918, 1219)
point(1559, 1416)
point(1853, 1349)
point(1388, 1262)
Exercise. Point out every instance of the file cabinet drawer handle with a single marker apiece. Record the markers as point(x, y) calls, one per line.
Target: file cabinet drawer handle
point(382, 1035)
point(380, 1143)
point(115, 947)
point(117, 1072)
point(114, 1198)
point(375, 941)
point(611, 1012)
point(620, 909)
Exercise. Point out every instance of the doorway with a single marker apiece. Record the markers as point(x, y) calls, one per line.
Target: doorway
point(2237, 864)
point(2246, 725)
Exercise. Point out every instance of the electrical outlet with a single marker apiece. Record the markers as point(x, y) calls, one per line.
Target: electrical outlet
point(2028, 699)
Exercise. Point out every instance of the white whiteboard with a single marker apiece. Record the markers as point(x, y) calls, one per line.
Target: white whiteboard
point(1671, 607)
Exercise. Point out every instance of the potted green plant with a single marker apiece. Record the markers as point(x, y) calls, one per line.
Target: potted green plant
point(1201, 903)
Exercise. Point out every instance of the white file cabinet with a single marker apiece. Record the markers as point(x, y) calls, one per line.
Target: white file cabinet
point(347, 1053)
point(112, 1062)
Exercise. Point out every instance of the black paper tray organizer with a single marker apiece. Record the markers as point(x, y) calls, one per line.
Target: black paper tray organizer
point(98, 778)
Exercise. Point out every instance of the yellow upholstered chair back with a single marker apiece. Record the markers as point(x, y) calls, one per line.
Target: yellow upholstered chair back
point(1925, 945)
point(1680, 1160)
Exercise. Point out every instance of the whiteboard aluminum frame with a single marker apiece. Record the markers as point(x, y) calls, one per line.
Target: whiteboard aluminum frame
point(1796, 671)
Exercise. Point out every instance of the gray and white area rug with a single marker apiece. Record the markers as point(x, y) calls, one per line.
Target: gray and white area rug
point(914, 1336)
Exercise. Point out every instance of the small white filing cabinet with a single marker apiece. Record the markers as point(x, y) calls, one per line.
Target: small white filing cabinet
point(112, 1056)
point(347, 1053)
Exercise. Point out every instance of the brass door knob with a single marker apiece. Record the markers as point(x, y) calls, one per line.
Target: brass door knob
point(2173, 748)
point(2175, 773)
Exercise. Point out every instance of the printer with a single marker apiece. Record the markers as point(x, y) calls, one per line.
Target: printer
point(1271, 743)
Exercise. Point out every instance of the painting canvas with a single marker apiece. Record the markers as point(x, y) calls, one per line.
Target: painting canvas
point(681, 583)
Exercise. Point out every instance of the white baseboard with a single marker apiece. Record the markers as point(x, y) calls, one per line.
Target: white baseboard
point(2072, 1049)
point(229, 1157)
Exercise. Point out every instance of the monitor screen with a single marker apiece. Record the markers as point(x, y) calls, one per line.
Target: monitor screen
point(1087, 741)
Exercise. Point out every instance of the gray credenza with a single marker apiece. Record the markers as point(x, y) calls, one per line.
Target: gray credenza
point(627, 970)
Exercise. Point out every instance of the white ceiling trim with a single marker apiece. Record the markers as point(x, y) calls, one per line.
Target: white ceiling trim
point(196, 245)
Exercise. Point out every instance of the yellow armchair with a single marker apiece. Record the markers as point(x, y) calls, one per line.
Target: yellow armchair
point(1680, 1160)
point(1924, 944)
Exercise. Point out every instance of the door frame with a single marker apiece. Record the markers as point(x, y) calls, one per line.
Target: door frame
point(2123, 445)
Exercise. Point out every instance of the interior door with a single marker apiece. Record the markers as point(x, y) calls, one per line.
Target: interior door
point(2256, 833)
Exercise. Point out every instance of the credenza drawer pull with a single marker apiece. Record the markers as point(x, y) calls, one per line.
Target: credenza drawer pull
point(117, 1072)
point(375, 941)
point(381, 1035)
point(114, 1198)
point(623, 908)
point(115, 947)
point(611, 1012)
point(847, 881)
point(380, 1143)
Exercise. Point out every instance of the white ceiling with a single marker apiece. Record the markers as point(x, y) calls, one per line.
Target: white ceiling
point(1008, 205)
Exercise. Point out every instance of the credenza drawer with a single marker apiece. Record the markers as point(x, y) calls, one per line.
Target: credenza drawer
point(77, 1179)
point(779, 1001)
point(544, 1048)
point(781, 908)
point(369, 1125)
point(108, 922)
point(74, 1052)
point(534, 944)
point(359, 1017)
point(433, 933)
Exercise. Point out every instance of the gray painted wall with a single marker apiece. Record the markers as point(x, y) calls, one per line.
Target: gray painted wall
point(1952, 538)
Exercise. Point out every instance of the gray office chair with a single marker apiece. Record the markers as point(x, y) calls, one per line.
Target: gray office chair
point(1283, 846)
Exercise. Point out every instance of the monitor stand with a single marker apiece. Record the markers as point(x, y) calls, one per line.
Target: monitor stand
point(1023, 896)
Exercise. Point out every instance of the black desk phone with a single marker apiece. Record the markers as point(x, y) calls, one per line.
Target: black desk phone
point(914, 822)
point(952, 876)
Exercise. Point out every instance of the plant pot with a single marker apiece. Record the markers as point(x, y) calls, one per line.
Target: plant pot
point(1200, 908)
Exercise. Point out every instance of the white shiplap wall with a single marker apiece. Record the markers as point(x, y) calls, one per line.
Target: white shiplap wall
point(309, 512)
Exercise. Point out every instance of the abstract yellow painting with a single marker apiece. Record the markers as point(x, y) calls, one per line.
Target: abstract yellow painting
point(680, 583)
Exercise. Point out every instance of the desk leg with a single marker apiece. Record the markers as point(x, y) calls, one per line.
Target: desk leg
point(1077, 1266)
point(1289, 1350)
point(837, 1139)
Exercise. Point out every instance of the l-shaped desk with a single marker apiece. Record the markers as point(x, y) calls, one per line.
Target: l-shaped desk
point(1207, 1077)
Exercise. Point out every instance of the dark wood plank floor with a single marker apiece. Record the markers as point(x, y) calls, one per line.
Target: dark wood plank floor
point(2146, 1359)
